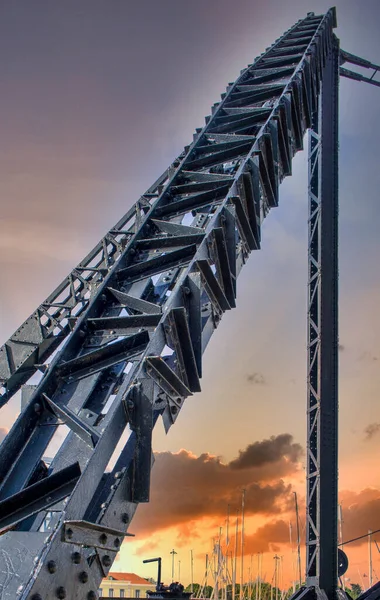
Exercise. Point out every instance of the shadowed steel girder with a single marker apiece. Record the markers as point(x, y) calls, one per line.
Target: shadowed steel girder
point(346, 57)
point(120, 342)
point(322, 381)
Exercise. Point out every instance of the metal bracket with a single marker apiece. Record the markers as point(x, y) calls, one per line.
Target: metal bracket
point(84, 533)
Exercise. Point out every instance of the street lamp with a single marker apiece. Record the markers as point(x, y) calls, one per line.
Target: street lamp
point(173, 552)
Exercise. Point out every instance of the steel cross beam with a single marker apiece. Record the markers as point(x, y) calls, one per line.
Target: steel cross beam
point(129, 339)
point(322, 412)
point(360, 62)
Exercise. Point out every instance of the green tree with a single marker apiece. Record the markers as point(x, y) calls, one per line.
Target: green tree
point(207, 590)
point(355, 590)
point(196, 588)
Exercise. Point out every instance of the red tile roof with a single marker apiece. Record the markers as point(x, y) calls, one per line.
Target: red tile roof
point(130, 577)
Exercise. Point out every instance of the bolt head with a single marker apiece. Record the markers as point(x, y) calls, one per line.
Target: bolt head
point(52, 566)
point(76, 558)
point(107, 562)
point(83, 577)
point(125, 518)
point(91, 595)
point(61, 593)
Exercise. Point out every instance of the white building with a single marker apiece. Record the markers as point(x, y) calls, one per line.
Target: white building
point(124, 585)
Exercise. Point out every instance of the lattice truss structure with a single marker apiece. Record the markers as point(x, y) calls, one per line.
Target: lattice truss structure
point(119, 343)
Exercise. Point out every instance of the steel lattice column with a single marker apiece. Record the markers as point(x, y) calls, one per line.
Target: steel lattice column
point(322, 464)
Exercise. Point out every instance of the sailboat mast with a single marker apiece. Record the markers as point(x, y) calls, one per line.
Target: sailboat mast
point(260, 572)
point(219, 561)
point(242, 547)
point(292, 554)
point(341, 524)
point(235, 557)
point(298, 542)
point(206, 572)
point(216, 571)
point(276, 559)
point(192, 571)
point(250, 579)
point(258, 577)
point(228, 526)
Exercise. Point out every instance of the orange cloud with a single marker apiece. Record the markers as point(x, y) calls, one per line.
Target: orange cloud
point(147, 547)
point(186, 488)
point(361, 513)
point(267, 538)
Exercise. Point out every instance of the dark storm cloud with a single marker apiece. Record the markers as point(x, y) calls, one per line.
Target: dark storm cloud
point(361, 513)
point(186, 488)
point(268, 451)
point(371, 430)
point(257, 378)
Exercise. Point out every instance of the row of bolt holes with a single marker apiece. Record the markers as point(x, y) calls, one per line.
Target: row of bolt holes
point(76, 558)
point(102, 539)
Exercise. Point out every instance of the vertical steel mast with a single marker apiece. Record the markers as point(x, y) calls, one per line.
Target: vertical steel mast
point(322, 414)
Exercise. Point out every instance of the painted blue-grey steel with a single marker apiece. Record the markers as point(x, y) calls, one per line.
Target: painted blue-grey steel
point(314, 354)
point(328, 456)
point(322, 432)
point(346, 57)
point(182, 247)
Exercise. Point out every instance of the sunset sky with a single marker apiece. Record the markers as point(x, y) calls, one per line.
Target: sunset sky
point(97, 98)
